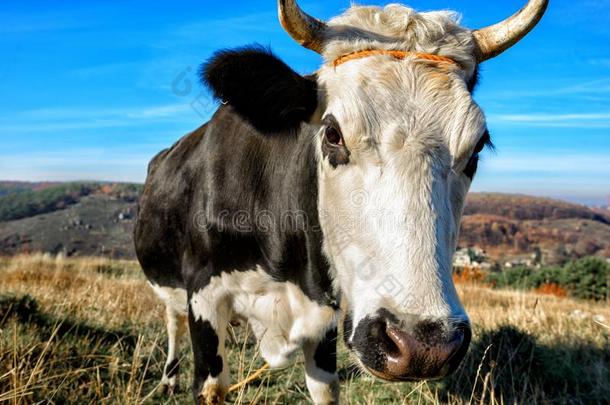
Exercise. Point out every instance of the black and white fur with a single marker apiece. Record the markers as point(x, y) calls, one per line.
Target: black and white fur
point(252, 215)
point(199, 237)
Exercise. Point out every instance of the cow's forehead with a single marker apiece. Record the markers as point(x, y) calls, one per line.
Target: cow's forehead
point(381, 101)
point(396, 27)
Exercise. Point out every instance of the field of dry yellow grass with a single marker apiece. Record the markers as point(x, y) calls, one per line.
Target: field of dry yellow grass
point(91, 331)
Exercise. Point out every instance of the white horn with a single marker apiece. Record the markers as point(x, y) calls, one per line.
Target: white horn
point(303, 28)
point(495, 39)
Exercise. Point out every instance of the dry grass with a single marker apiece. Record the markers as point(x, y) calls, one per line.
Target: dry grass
point(90, 331)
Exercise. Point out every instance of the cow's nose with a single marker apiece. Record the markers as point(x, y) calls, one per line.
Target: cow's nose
point(410, 350)
point(427, 352)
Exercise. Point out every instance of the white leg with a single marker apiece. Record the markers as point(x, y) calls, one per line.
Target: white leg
point(320, 369)
point(209, 316)
point(175, 323)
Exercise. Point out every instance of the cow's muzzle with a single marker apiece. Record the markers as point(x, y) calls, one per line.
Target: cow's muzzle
point(427, 350)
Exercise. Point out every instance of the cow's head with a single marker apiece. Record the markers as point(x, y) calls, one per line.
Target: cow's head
point(398, 137)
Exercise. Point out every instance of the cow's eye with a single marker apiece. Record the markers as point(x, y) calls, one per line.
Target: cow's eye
point(333, 136)
point(471, 166)
point(473, 162)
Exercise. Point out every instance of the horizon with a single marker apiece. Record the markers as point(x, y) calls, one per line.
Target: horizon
point(84, 181)
point(118, 84)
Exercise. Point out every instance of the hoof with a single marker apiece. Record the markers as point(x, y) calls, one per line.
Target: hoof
point(168, 390)
point(212, 395)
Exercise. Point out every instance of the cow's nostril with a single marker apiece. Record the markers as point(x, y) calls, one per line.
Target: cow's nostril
point(431, 355)
point(462, 334)
point(425, 349)
point(379, 334)
point(398, 362)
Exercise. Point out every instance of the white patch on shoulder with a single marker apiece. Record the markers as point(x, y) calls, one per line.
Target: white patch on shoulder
point(174, 298)
point(281, 316)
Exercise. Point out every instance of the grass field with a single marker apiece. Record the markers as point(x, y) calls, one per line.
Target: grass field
point(91, 331)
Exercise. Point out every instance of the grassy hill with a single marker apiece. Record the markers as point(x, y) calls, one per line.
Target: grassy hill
point(511, 225)
point(91, 331)
point(12, 187)
point(82, 219)
point(524, 208)
point(22, 200)
point(97, 225)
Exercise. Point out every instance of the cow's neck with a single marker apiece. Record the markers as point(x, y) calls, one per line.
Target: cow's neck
point(280, 180)
point(299, 188)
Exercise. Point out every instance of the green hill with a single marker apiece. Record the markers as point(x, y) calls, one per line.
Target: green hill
point(22, 200)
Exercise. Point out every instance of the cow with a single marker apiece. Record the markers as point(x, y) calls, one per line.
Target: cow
point(337, 196)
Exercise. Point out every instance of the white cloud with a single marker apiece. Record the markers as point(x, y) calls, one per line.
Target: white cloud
point(579, 90)
point(67, 113)
point(594, 86)
point(76, 164)
point(575, 120)
point(552, 117)
point(559, 164)
point(575, 176)
point(163, 111)
point(72, 119)
point(600, 62)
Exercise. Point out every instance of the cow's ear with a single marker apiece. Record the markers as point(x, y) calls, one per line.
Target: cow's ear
point(261, 88)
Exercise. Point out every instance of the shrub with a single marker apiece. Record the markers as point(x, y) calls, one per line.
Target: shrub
point(517, 277)
point(552, 289)
point(469, 275)
point(28, 203)
point(547, 275)
point(588, 278)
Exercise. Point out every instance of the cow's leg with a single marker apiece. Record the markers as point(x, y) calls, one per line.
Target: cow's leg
point(175, 322)
point(321, 369)
point(208, 320)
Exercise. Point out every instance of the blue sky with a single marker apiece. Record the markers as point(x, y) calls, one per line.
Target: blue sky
point(92, 90)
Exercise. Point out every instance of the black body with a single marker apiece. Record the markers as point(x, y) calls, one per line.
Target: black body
point(239, 192)
point(227, 198)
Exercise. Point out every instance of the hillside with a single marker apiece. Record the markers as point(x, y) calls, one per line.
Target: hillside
point(13, 187)
point(22, 200)
point(85, 219)
point(77, 219)
point(523, 207)
point(97, 225)
point(516, 225)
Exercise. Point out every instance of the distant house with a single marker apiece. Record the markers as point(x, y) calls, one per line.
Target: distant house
point(520, 263)
point(461, 258)
point(534, 260)
point(471, 257)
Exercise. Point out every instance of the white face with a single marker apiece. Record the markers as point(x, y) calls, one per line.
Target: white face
point(391, 194)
